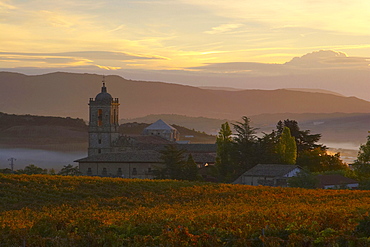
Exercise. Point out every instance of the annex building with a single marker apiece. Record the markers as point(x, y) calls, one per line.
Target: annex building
point(111, 154)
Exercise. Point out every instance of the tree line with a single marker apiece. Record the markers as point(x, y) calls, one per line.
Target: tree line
point(241, 149)
point(67, 170)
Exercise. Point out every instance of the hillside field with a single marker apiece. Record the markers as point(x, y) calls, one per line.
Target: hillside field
point(44, 210)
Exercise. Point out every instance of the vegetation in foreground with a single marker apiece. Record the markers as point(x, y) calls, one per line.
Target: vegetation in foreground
point(44, 210)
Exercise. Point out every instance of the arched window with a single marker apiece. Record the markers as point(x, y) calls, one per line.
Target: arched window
point(100, 117)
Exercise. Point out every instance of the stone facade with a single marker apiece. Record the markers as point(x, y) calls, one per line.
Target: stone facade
point(124, 170)
point(103, 123)
point(113, 155)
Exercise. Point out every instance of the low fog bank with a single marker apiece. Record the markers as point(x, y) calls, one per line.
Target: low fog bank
point(41, 158)
point(54, 159)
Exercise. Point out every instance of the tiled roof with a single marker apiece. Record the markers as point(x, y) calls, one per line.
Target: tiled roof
point(335, 179)
point(159, 125)
point(204, 158)
point(270, 170)
point(150, 140)
point(141, 156)
point(134, 156)
point(199, 148)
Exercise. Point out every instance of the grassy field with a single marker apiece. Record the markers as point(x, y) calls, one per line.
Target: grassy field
point(43, 210)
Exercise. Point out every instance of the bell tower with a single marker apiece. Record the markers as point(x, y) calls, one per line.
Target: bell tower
point(103, 122)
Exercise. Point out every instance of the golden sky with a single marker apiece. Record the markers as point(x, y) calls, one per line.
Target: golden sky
point(188, 36)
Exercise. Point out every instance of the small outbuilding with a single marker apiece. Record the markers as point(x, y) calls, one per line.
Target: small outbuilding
point(336, 181)
point(268, 175)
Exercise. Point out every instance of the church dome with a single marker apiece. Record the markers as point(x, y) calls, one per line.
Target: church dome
point(104, 97)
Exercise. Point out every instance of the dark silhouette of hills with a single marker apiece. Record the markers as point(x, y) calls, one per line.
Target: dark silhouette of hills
point(40, 132)
point(68, 134)
point(334, 127)
point(67, 94)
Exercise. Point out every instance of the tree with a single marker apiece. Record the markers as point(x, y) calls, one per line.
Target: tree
point(52, 171)
point(286, 147)
point(190, 169)
point(224, 163)
point(69, 170)
point(304, 140)
point(173, 160)
point(318, 160)
point(361, 165)
point(245, 146)
point(32, 169)
point(303, 180)
point(311, 155)
point(6, 171)
point(266, 148)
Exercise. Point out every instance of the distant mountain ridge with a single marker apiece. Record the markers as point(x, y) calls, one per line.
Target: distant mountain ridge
point(67, 94)
point(41, 132)
point(68, 134)
point(311, 90)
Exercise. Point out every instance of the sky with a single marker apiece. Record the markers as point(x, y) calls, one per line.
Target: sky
point(237, 43)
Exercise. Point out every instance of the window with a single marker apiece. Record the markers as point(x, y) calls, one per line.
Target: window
point(134, 171)
point(119, 172)
point(104, 172)
point(149, 170)
point(99, 150)
point(99, 141)
point(89, 172)
point(100, 117)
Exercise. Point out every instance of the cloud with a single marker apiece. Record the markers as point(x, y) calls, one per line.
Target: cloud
point(50, 60)
point(58, 20)
point(223, 28)
point(108, 67)
point(92, 55)
point(110, 55)
point(328, 59)
point(342, 16)
point(237, 67)
point(117, 28)
point(318, 60)
point(5, 6)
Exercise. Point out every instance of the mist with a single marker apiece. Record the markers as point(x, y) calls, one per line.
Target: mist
point(41, 158)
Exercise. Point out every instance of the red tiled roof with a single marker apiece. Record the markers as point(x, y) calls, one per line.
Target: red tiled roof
point(335, 179)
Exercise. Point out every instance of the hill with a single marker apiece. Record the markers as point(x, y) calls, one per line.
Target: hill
point(44, 210)
point(67, 94)
point(334, 127)
point(68, 134)
point(41, 132)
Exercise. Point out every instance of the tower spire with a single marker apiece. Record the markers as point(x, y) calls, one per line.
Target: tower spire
point(103, 89)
